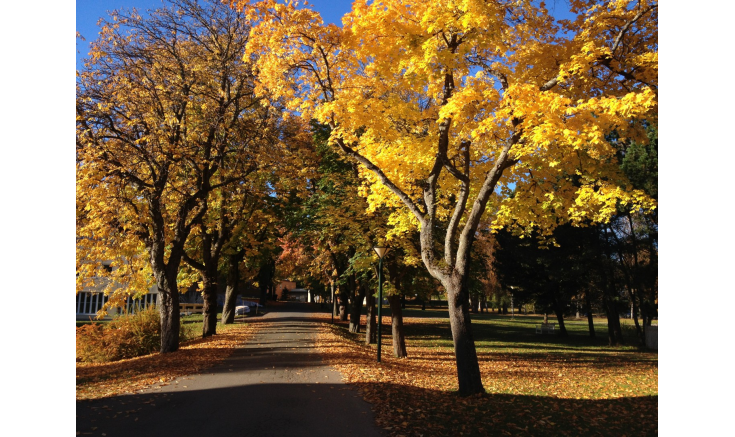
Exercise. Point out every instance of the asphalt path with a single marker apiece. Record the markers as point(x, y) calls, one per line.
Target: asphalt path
point(275, 385)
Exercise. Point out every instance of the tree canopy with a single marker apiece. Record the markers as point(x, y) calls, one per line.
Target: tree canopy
point(445, 104)
point(451, 118)
point(167, 117)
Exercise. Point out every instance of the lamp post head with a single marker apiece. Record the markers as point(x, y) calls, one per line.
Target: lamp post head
point(381, 251)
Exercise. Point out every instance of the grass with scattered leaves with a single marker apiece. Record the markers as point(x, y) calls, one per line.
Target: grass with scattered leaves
point(536, 384)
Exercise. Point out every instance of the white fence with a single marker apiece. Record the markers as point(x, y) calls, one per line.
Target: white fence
point(88, 303)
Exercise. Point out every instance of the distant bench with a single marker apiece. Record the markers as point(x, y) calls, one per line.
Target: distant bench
point(191, 308)
point(545, 328)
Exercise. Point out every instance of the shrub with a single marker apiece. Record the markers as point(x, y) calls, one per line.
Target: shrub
point(137, 334)
point(126, 336)
point(92, 346)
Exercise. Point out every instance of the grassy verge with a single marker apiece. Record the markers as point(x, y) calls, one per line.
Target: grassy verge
point(536, 384)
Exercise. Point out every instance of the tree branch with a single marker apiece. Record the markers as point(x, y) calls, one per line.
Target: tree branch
point(383, 178)
point(478, 208)
point(459, 208)
point(192, 262)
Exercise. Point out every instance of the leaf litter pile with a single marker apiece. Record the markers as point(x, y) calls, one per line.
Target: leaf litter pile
point(96, 381)
point(534, 390)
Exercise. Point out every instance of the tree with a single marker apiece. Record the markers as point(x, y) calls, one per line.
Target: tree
point(166, 119)
point(399, 275)
point(230, 209)
point(552, 274)
point(332, 231)
point(444, 103)
point(635, 232)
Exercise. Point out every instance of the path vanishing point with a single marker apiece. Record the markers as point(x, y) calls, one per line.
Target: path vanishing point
point(275, 385)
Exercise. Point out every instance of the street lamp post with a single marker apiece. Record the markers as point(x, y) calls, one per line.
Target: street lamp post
point(512, 310)
point(334, 275)
point(381, 251)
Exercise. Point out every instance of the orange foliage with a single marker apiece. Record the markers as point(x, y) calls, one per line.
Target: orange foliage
point(527, 393)
point(96, 381)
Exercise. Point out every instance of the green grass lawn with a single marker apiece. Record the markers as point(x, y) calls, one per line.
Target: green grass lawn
point(517, 333)
point(536, 384)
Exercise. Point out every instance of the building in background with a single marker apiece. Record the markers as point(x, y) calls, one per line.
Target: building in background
point(91, 299)
point(287, 284)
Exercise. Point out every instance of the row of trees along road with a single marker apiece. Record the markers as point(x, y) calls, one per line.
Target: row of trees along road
point(445, 104)
point(330, 240)
point(448, 115)
point(174, 149)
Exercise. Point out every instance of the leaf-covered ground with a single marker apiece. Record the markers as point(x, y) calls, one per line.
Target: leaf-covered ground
point(536, 385)
point(128, 376)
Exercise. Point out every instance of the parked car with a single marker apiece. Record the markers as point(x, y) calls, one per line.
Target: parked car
point(241, 310)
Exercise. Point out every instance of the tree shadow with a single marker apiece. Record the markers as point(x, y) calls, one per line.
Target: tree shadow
point(338, 410)
point(242, 410)
point(446, 414)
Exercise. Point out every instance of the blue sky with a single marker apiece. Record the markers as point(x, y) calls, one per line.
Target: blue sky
point(90, 11)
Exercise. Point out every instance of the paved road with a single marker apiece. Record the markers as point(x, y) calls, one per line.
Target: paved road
point(276, 385)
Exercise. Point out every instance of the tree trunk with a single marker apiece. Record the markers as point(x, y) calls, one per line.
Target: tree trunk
point(638, 327)
point(562, 328)
point(614, 333)
point(342, 297)
point(468, 368)
point(233, 283)
point(588, 308)
point(643, 309)
point(371, 327)
point(168, 307)
point(560, 318)
point(334, 301)
point(399, 339)
point(209, 296)
point(263, 294)
point(640, 284)
point(632, 295)
point(356, 308)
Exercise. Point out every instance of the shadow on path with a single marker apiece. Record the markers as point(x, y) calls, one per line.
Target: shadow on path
point(275, 385)
point(246, 410)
